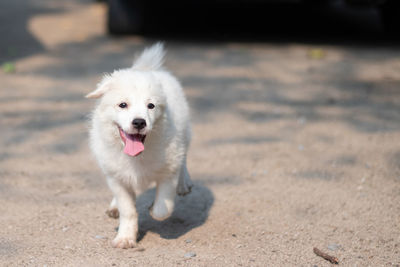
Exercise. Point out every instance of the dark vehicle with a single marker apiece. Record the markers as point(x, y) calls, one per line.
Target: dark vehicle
point(138, 16)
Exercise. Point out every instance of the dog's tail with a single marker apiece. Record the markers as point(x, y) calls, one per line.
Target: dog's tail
point(152, 58)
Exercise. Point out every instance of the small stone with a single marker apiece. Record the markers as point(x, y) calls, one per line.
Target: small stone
point(301, 120)
point(331, 101)
point(300, 147)
point(100, 237)
point(65, 228)
point(188, 241)
point(190, 255)
point(334, 247)
point(234, 235)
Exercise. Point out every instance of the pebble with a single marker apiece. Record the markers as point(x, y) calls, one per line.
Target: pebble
point(301, 120)
point(100, 237)
point(190, 255)
point(260, 172)
point(334, 247)
point(188, 240)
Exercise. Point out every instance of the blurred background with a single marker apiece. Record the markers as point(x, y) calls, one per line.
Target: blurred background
point(296, 127)
point(270, 20)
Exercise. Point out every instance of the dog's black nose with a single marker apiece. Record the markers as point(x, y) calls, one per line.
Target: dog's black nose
point(139, 123)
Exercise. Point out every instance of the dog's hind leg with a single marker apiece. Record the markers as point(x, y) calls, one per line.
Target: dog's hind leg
point(113, 209)
point(185, 184)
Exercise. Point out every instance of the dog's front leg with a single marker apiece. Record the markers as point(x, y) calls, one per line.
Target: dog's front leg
point(128, 219)
point(165, 199)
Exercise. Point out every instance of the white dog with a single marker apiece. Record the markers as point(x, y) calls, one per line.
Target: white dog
point(140, 134)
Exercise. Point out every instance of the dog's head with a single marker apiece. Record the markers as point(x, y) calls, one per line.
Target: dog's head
point(133, 101)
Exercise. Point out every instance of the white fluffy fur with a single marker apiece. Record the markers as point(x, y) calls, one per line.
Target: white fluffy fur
point(167, 139)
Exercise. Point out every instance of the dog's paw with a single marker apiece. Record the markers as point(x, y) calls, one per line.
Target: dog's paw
point(113, 213)
point(184, 188)
point(159, 213)
point(123, 242)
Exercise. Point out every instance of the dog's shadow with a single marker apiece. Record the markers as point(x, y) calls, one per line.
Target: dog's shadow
point(190, 212)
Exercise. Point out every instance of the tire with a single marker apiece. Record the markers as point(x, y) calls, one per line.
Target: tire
point(125, 16)
point(390, 13)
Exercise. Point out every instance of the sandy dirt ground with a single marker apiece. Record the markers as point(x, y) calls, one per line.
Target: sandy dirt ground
point(293, 148)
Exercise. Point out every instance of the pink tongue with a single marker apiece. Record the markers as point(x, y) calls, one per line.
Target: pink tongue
point(133, 147)
point(133, 144)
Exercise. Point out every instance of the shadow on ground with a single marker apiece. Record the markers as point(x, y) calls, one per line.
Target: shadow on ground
point(367, 104)
point(17, 41)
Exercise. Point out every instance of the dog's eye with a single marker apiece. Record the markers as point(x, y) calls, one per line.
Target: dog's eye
point(123, 105)
point(150, 106)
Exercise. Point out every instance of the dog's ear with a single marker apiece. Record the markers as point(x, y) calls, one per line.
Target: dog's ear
point(102, 88)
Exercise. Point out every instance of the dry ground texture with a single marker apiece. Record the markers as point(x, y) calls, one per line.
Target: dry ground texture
point(293, 148)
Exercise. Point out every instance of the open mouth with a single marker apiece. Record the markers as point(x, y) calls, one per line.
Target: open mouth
point(134, 143)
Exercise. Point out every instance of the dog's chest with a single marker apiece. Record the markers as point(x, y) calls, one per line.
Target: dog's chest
point(143, 166)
